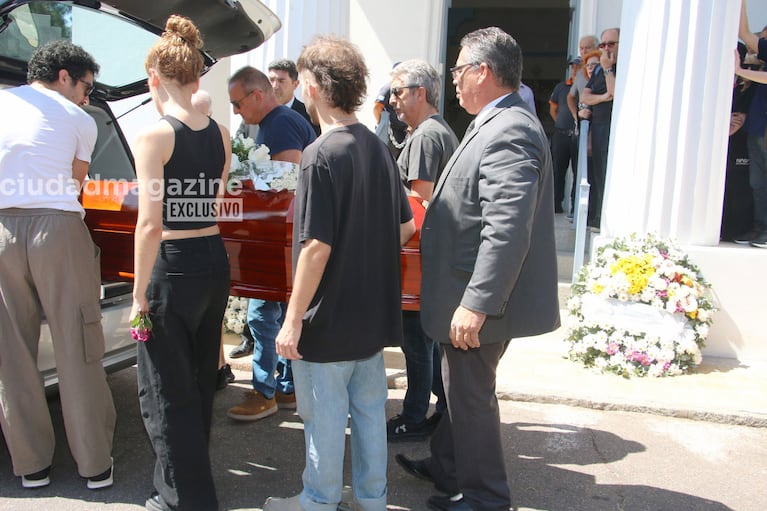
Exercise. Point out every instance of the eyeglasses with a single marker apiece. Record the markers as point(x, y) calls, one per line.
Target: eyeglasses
point(397, 91)
point(89, 87)
point(607, 44)
point(455, 70)
point(236, 103)
point(592, 65)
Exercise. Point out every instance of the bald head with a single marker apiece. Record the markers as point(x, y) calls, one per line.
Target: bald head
point(202, 102)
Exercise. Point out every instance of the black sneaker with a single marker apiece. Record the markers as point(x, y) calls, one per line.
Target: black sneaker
point(400, 430)
point(225, 376)
point(745, 238)
point(37, 480)
point(760, 241)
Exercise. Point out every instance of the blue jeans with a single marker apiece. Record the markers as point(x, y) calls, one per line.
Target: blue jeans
point(757, 178)
point(327, 393)
point(424, 374)
point(265, 320)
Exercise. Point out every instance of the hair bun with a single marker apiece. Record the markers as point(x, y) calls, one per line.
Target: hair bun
point(184, 29)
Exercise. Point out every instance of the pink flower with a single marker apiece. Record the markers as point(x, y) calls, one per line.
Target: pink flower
point(141, 327)
point(612, 348)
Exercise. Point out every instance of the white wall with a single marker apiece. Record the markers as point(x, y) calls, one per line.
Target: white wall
point(386, 37)
point(383, 34)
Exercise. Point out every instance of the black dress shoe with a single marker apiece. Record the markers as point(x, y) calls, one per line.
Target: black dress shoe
point(442, 503)
point(417, 468)
point(224, 377)
point(244, 349)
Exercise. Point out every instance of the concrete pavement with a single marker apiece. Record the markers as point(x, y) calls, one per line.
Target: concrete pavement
point(536, 369)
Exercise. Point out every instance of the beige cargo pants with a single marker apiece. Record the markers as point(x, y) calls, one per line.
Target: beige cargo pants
point(49, 264)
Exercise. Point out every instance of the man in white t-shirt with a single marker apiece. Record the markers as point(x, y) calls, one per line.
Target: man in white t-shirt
point(50, 265)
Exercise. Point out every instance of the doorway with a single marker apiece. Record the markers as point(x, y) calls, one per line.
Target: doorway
point(541, 27)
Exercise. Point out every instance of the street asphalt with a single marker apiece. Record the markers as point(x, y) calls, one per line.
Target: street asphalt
point(559, 457)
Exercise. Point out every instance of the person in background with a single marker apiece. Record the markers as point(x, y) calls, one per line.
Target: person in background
point(388, 127)
point(346, 300)
point(598, 94)
point(527, 96)
point(286, 133)
point(181, 272)
point(415, 90)
point(738, 207)
point(283, 76)
point(47, 253)
point(586, 45)
point(756, 128)
point(203, 103)
point(584, 110)
point(564, 140)
point(489, 268)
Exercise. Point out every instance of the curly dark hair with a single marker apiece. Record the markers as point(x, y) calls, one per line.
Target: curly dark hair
point(340, 71)
point(52, 57)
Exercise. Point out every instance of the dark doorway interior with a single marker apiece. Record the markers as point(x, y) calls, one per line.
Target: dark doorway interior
point(541, 27)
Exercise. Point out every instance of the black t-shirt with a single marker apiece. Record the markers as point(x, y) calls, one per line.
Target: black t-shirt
point(350, 197)
point(564, 119)
point(601, 112)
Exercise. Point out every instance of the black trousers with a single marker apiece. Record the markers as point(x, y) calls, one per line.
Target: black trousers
point(177, 367)
point(564, 154)
point(600, 139)
point(466, 449)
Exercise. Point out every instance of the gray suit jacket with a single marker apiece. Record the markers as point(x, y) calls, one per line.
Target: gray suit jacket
point(487, 241)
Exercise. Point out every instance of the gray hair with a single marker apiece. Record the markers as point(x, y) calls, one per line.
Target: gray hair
point(420, 72)
point(251, 78)
point(499, 51)
point(594, 40)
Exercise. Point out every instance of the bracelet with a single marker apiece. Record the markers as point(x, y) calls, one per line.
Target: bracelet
point(609, 71)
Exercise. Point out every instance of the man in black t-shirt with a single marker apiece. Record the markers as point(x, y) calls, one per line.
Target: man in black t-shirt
point(564, 141)
point(351, 216)
point(598, 94)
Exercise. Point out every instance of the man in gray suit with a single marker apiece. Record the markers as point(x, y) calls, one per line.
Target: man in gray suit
point(489, 268)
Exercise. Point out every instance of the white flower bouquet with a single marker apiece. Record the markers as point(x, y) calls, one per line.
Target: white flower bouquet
point(251, 160)
point(640, 308)
point(236, 315)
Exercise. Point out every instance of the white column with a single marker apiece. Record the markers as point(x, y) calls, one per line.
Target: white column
point(668, 145)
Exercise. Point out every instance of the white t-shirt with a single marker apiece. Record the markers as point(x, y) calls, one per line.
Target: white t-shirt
point(41, 135)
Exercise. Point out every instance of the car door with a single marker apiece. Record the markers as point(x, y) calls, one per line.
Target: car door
point(118, 33)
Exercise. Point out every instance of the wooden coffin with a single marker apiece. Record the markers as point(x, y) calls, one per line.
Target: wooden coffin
point(259, 246)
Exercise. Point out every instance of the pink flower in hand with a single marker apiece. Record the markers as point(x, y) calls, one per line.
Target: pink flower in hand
point(141, 327)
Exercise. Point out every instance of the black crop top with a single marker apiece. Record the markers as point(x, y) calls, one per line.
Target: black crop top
point(192, 176)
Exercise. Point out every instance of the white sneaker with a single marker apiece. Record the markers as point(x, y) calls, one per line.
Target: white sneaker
point(277, 504)
point(37, 480)
point(104, 479)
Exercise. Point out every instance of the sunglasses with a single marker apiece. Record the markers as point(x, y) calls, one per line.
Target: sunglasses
point(236, 103)
point(89, 87)
point(455, 70)
point(397, 91)
point(608, 44)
